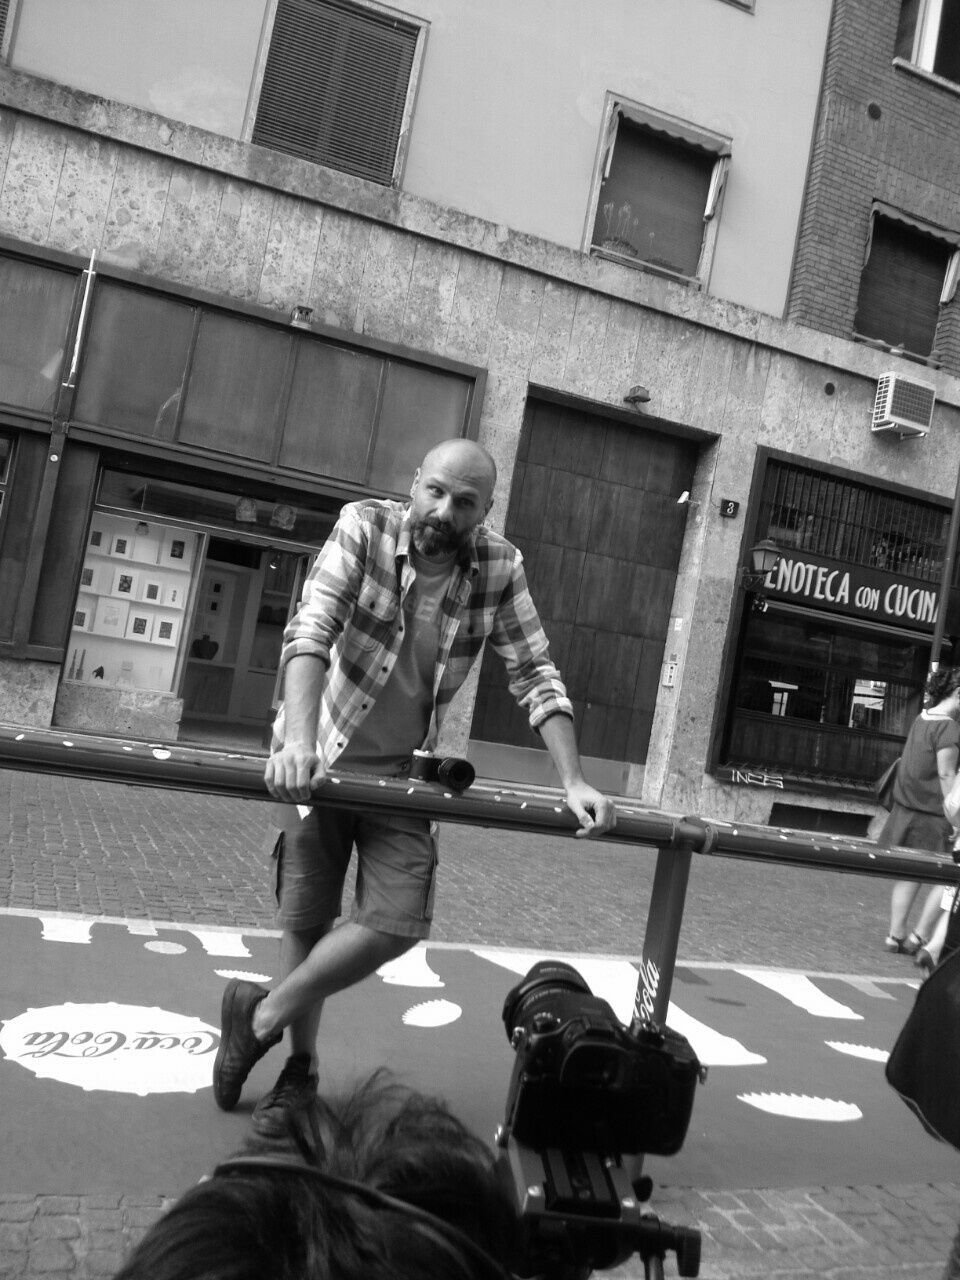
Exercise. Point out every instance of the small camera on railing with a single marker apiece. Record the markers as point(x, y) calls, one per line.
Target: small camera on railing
point(449, 771)
point(585, 1092)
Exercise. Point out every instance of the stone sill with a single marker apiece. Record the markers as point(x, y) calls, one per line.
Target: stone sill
point(921, 73)
point(59, 104)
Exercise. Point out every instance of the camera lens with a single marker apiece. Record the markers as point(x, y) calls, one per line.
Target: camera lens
point(456, 774)
point(546, 990)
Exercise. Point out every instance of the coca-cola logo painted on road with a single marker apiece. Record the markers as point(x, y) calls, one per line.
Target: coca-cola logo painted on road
point(118, 1048)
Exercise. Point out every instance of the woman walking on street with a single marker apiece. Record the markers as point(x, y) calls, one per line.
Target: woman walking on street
point(927, 771)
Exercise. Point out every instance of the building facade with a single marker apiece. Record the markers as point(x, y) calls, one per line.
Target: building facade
point(225, 309)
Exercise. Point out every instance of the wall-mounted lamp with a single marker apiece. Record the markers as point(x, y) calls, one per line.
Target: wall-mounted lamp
point(764, 558)
point(143, 528)
point(300, 316)
point(637, 396)
point(283, 516)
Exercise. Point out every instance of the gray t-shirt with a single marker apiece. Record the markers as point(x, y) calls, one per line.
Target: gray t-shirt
point(398, 721)
point(918, 781)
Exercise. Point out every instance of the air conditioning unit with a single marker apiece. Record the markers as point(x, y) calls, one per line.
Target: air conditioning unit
point(904, 406)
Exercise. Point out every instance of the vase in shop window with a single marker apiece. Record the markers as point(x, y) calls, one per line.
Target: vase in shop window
point(205, 647)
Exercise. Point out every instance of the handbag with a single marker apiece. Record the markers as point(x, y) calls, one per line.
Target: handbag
point(883, 787)
point(924, 1064)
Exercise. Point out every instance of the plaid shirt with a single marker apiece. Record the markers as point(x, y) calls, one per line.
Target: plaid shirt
point(351, 610)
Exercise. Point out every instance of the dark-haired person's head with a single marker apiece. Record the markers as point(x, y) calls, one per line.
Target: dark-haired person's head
point(381, 1184)
point(942, 684)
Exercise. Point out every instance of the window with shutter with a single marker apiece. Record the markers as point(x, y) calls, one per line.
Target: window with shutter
point(901, 286)
point(929, 36)
point(338, 84)
point(657, 190)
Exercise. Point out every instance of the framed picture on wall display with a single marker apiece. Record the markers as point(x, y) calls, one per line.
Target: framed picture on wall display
point(86, 576)
point(174, 596)
point(110, 618)
point(177, 548)
point(139, 625)
point(151, 591)
point(121, 545)
point(146, 546)
point(166, 629)
point(83, 613)
point(99, 539)
point(125, 583)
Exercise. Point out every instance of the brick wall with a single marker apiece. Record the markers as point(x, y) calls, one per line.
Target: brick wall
point(908, 157)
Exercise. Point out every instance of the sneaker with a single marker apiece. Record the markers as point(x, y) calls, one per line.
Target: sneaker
point(295, 1090)
point(239, 1047)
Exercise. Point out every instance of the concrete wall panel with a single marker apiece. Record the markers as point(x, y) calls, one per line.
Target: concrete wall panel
point(83, 193)
point(342, 252)
point(290, 255)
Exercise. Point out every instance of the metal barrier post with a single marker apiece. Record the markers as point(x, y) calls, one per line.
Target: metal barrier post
point(661, 937)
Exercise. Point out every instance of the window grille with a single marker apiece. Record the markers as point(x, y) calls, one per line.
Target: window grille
point(839, 518)
point(336, 86)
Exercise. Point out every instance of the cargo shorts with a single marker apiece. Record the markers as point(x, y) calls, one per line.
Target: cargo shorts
point(396, 871)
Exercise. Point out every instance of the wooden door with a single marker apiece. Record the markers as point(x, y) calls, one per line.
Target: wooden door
point(593, 508)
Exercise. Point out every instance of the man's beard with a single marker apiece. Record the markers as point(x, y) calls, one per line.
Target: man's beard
point(436, 539)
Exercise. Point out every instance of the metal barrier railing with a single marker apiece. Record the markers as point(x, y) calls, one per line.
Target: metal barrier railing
point(488, 803)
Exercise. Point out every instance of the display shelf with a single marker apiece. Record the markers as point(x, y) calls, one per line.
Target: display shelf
point(131, 609)
point(108, 558)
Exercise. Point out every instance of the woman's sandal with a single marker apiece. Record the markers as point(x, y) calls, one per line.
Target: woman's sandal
point(908, 946)
point(925, 961)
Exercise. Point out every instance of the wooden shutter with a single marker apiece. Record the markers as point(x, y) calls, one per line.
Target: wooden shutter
point(652, 202)
point(335, 86)
point(899, 300)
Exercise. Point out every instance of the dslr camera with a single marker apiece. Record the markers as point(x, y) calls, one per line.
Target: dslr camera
point(450, 771)
point(587, 1097)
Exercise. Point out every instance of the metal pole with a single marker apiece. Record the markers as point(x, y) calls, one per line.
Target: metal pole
point(946, 580)
point(661, 938)
point(488, 803)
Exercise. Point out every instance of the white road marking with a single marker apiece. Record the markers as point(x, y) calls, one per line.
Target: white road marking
point(65, 929)
point(865, 1051)
point(432, 1013)
point(217, 943)
point(799, 1106)
point(410, 970)
point(800, 991)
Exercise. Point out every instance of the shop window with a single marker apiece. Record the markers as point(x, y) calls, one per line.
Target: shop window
point(657, 191)
point(135, 361)
point(305, 520)
point(167, 369)
point(815, 697)
point(136, 586)
point(903, 282)
point(232, 401)
point(338, 85)
point(928, 36)
point(35, 306)
point(334, 441)
point(418, 411)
